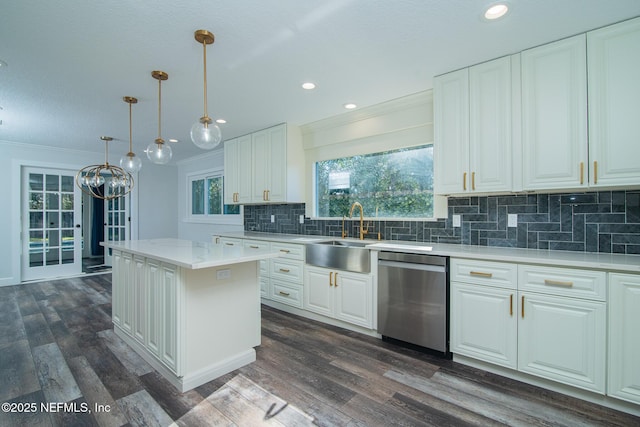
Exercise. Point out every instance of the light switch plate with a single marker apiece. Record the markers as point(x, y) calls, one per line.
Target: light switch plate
point(223, 274)
point(456, 220)
point(512, 220)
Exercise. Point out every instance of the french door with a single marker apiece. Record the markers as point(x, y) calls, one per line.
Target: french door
point(51, 224)
point(116, 222)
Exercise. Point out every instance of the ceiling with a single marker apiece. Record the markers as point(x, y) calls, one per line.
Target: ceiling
point(70, 63)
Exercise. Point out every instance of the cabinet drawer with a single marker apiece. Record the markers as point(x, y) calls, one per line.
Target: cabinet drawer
point(499, 274)
point(289, 250)
point(255, 244)
point(230, 241)
point(286, 293)
point(563, 281)
point(289, 270)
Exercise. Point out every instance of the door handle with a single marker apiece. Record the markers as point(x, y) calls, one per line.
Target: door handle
point(78, 225)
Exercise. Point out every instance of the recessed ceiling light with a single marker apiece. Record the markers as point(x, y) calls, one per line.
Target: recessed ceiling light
point(496, 11)
point(221, 121)
point(308, 85)
point(2, 64)
point(350, 106)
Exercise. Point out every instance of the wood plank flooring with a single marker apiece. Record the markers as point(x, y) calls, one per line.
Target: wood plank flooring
point(58, 349)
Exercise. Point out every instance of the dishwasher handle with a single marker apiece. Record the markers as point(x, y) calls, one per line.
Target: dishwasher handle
point(411, 266)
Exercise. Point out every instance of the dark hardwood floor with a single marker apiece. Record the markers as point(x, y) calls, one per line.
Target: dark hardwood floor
point(62, 365)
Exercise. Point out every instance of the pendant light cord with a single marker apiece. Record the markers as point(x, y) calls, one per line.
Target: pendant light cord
point(159, 108)
point(130, 138)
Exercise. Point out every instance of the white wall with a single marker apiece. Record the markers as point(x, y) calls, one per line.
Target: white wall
point(156, 210)
point(199, 231)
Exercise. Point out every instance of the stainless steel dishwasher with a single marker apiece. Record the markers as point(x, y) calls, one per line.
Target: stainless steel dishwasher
point(413, 299)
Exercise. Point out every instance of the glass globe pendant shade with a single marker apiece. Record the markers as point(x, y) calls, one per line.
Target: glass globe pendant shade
point(206, 134)
point(131, 163)
point(159, 153)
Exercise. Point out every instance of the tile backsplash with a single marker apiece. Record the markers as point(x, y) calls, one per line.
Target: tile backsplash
point(604, 221)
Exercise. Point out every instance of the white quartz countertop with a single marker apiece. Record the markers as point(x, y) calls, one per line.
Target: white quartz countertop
point(189, 254)
point(600, 261)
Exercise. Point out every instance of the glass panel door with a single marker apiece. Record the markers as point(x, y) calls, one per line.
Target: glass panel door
point(51, 216)
point(116, 221)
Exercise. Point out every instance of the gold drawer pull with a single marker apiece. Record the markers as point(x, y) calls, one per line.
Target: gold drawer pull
point(481, 274)
point(595, 172)
point(464, 181)
point(473, 181)
point(581, 173)
point(522, 306)
point(254, 247)
point(285, 270)
point(331, 278)
point(511, 305)
point(286, 294)
point(286, 251)
point(335, 279)
point(228, 243)
point(557, 283)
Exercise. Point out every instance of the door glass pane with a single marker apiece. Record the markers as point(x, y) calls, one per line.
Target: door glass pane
point(52, 183)
point(67, 220)
point(35, 219)
point(52, 201)
point(67, 246)
point(53, 256)
point(67, 202)
point(53, 238)
point(35, 248)
point(116, 236)
point(67, 184)
point(53, 220)
point(122, 218)
point(35, 201)
point(35, 182)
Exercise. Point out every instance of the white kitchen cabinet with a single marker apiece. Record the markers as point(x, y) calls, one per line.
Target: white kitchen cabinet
point(554, 115)
point(265, 167)
point(473, 129)
point(263, 273)
point(127, 295)
point(614, 91)
point(624, 339)
point(140, 290)
point(118, 276)
point(483, 319)
point(563, 339)
point(237, 164)
point(484, 323)
point(339, 294)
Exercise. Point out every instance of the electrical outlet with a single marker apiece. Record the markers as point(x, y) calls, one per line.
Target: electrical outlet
point(273, 218)
point(223, 274)
point(512, 220)
point(456, 220)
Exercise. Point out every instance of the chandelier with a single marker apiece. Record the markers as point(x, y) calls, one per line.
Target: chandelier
point(204, 133)
point(159, 152)
point(104, 181)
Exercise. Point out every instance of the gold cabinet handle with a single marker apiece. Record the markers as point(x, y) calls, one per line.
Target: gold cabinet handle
point(335, 279)
point(522, 307)
point(286, 251)
point(595, 172)
point(285, 270)
point(286, 294)
point(254, 247)
point(228, 243)
point(473, 181)
point(511, 305)
point(481, 274)
point(557, 283)
point(331, 278)
point(268, 195)
point(464, 181)
point(581, 173)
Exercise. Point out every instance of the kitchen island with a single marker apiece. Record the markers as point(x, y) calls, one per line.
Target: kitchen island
point(190, 309)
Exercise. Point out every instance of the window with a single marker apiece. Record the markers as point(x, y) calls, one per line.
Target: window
point(390, 184)
point(206, 197)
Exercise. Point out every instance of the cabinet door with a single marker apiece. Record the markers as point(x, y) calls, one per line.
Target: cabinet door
point(490, 126)
point(231, 171)
point(127, 294)
point(117, 288)
point(169, 316)
point(318, 292)
point(484, 323)
point(261, 167)
point(614, 91)
point(554, 115)
point(563, 339)
point(624, 339)
point(244, 171)
point(277, 158)
point(353, 298)
point(451, 137)
point(140, 285)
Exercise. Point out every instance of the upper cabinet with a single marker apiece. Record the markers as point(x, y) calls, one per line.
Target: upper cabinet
point(472, 147)
point(561, 116)
point(265, 167)
point(554, 115)
point(614, 109)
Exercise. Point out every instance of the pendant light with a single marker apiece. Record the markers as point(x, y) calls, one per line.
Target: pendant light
point(205, 133)
point(93, 179)
point(159, 152)
point(129, 161)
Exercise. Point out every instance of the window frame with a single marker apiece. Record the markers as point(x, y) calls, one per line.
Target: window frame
point(206, 218)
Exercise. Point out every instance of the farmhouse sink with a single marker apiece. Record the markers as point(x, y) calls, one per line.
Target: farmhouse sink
point(345, 255)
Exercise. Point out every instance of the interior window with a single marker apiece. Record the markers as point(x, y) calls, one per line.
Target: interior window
point(390, 184)
point(207, 196)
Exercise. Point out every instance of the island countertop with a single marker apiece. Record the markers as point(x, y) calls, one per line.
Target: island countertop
point(190, 254)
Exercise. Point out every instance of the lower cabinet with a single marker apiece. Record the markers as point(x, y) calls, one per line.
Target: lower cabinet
point(148, 310)
point(546, 321)
point(339, 294)
point(563, 339)
point(624, 338)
